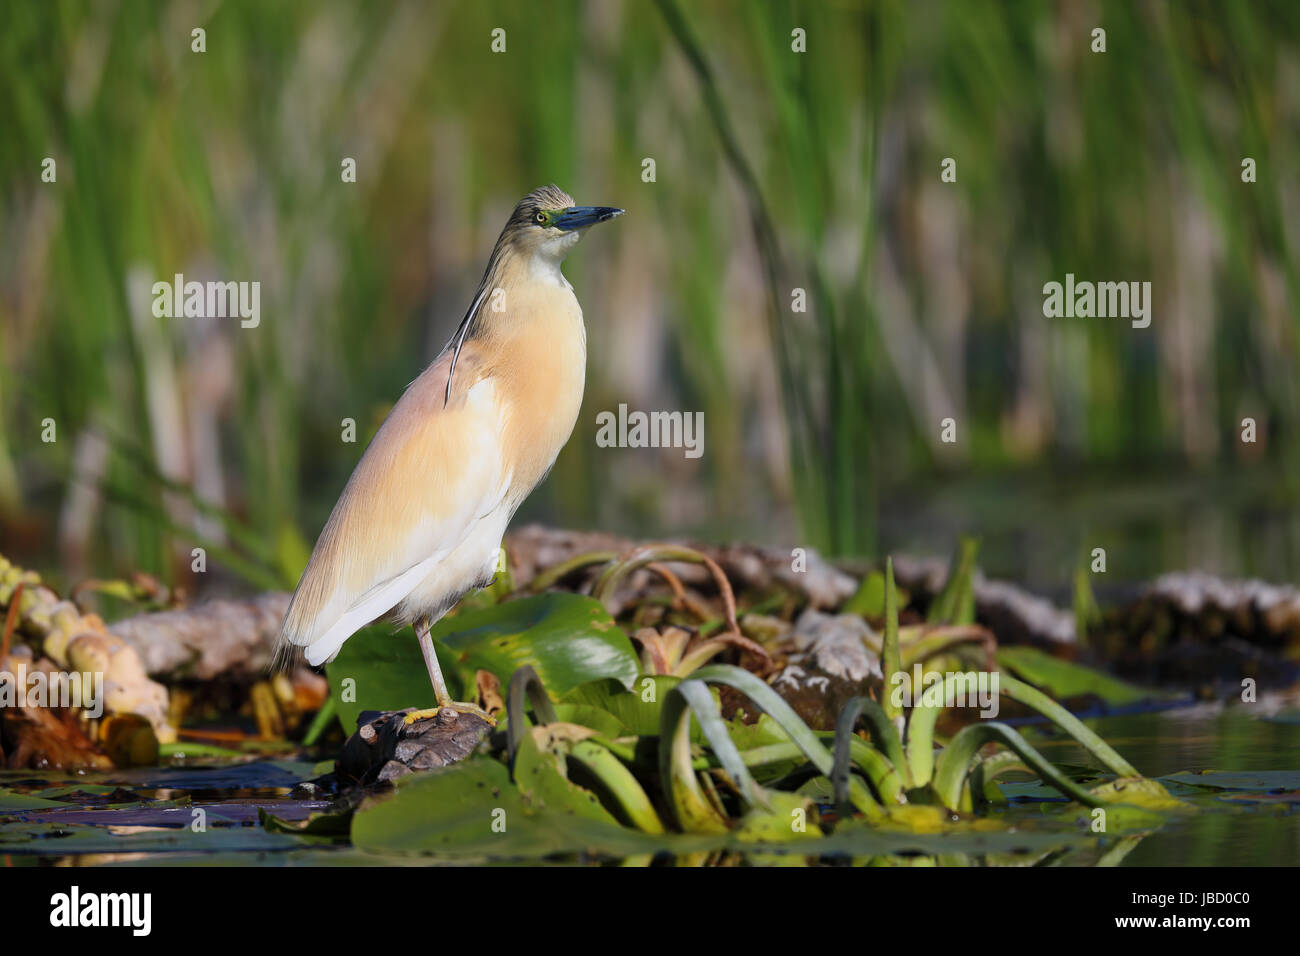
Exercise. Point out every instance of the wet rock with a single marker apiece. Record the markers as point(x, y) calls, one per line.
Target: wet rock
point(1192, 628)
point(829, 660)
point(1249, 609)
point(1017, 616)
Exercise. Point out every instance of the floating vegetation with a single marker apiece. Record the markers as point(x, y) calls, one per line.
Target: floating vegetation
point(648, 710)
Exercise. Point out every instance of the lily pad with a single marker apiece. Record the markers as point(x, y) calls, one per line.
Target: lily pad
point(1264, 781)
point(60, 839)
point(567, 638)
point(11, 802)
point(472, 810)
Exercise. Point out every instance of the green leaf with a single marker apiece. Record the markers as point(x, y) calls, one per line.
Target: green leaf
point(622, 788)
point(956, 602)
point(11, 802)
point(869, 599)
point(328, 825)
point(1087, 612)
point(891, 659)
point(1062, 678)
point(1032, 697)
point(776, 823)
point(954, 764)
point(471, 810)
point(687, 800)
point(569, 639)
point(783, 716)
point(1138, 792)
point(636, 709)
point(587, 715)
point(761, 733)
point(540, 772)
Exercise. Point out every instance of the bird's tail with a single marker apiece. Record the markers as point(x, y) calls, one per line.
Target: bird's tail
point(300, 629)
point(286, 655)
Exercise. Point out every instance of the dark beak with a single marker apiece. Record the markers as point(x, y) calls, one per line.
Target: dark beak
point(579, 217)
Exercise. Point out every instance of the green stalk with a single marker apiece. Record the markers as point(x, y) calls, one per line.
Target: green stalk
point(878, 770)
point(986, 771)
point(525, 681)
point(956, 602)
point(690, 806)
point(891, 659)
point(558, 572)
point(771, 703)
point(622, 786)
point(940, 639)
point(320, 721)
point(954, 764)
point(888, 774)
point(920, 733)
point(1032, 697)
point(698, 656)
point(873, 763)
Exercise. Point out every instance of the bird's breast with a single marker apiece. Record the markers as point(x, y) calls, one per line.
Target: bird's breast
point(541, 374)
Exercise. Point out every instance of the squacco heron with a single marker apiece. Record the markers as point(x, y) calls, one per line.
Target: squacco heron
point(420, 522)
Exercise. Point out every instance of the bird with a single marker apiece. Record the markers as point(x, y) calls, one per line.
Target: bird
point(420, 522)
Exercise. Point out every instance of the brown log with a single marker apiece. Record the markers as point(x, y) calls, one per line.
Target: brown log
point(222, 638)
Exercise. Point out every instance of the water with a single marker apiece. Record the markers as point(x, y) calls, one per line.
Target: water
point(1237, 828)
point(1034, 527)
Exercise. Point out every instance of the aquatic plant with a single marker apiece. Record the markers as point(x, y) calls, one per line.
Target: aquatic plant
point(654, 765)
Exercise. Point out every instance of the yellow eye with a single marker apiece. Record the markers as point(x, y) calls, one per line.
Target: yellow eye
point(541, 218)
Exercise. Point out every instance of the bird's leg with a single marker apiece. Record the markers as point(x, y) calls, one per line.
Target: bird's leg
point(439, 685)
point(431, 662)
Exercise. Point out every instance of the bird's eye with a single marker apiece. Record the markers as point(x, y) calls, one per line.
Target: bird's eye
point(541, 218)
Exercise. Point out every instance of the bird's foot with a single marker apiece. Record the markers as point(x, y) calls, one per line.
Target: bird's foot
point(457, 706)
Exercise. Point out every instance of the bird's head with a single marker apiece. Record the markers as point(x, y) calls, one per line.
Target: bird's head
point(546, 223)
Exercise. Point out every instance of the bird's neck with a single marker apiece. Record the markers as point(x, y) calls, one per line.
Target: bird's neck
point(545, 268)
point(515, 282)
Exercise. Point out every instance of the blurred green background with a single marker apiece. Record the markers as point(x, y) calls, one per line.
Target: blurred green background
point(774, 170)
